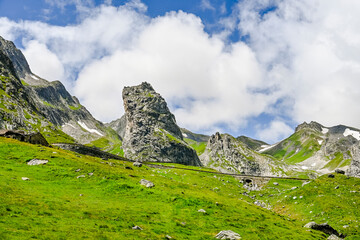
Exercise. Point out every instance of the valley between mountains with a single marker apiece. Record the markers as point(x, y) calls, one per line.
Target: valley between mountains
point(66, 175)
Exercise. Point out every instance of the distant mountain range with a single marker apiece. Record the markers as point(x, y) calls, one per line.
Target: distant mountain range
point(148, 131)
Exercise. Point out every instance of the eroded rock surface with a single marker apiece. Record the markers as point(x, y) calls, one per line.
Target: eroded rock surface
point(226, 154)
point(151, 131)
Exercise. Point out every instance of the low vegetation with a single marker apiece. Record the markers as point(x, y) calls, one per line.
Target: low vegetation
point(76, 197)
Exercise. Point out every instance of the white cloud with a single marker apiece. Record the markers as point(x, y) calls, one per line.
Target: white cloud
point(301, 61)
point(274, 131)
point(43, 61)
point(206, 5)
point(311, 50)
point(204, 85)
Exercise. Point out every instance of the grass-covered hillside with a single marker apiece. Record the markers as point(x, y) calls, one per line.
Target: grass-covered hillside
point(323, 200)
point(81, 197)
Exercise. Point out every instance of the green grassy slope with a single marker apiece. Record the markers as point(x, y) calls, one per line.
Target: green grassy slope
point(331, 200)
point(55, 204)
point(297, 148)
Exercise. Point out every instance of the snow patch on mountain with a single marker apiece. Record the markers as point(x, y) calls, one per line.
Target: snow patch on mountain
point(324, 130)
point(83, 125)
point(355, 134)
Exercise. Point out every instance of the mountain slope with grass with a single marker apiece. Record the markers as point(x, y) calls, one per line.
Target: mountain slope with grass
point(75, 196)
point(315, 148)
point(33, 104)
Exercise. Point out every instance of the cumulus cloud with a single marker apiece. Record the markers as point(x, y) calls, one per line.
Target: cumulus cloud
point(203, 84)
point(311, 51)
point(43, 61)
point(300, 61)
point(274, 131)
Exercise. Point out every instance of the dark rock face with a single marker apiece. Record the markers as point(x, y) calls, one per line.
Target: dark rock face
point(226, 154)
point(17, 58)
point(323, 227)
point(151, 131)
point(33, 138)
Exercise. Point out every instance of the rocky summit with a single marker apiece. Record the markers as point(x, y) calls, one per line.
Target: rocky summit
point(227, 154)
point(151, 132)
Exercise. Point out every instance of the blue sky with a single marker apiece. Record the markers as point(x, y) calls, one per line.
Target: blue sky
point(250, 67)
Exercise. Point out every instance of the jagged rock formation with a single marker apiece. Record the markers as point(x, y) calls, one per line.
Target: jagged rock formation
point(226, 154)
point(151, 130)
point(30, 103)
point(354, 169)
point(315, 147)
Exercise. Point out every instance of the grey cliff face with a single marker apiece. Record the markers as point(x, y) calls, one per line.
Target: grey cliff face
point(151, 131)
point(354, 169)
point(15, 55)
point(226, 154)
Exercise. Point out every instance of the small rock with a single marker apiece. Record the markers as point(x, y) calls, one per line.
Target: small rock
point(25, 179)
point(305, 183)
point(127, 167)
point(90, 174)
point(331, 176)
point(294, 197)
point(78, 170)
point(137, 164)
point(339, 171)
point(301, 197)
point(337, 187)
point(183, 223)
point(324, 227)
point(276, 183)
point(34, 162)
point(80, 176)
point(81, 195)
point(228, 234)
point(293, 188)
point(168, 237)
point(137, 228)
point(202, 211)
point(346, 226)
point(334, 237)
point(146, 183)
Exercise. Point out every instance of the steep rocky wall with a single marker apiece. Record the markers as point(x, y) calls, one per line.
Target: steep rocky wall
point(151, 132)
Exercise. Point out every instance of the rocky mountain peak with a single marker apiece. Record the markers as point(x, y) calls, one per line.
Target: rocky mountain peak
point(143, 100)
point(151, 132)
point(312, 125)
point(227, 154)
point(16, 56)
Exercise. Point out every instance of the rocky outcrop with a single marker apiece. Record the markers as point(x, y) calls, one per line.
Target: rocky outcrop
point(224, 153)
point(33, 138)
point(151, 131)
point(323, 227)
point(17, 58)
point(354, 169)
